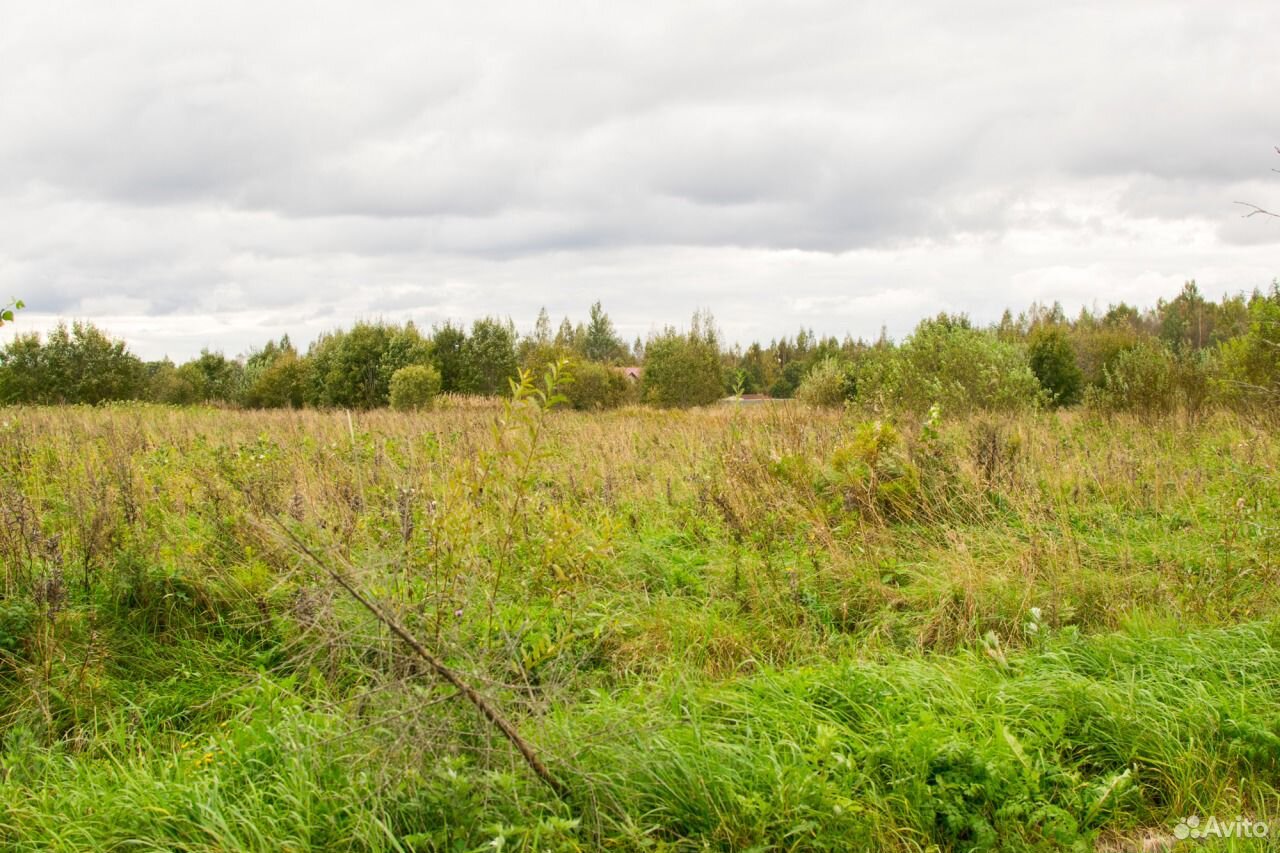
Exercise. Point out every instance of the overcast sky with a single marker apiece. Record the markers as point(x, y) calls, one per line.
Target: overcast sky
point(215, 174)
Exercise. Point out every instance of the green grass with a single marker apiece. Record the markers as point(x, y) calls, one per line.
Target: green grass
point(775, 630)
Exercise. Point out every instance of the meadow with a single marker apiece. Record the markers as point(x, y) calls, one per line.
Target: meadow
point(729, 628)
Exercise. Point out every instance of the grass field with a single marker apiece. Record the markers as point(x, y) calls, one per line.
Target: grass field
point(769, 628)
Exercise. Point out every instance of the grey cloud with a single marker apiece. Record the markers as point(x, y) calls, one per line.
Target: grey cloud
point(448, 157)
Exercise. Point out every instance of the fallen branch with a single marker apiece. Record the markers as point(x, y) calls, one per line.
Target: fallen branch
point(491, 713)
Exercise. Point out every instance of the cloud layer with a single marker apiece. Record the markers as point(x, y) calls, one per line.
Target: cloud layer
point(211, 174)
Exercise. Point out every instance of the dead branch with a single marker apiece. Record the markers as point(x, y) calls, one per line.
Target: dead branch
point(486, 708)
point(1255, 210)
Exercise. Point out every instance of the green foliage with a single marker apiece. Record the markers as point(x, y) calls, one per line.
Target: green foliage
point(600, 342)
point(788, 381)
point(275, 378)
point(488, 358)
point(76, 365)
point(596, 387)
point(1250, 364)
point(414, 387)
point(871, 473)
point(353, 368)
point(347, 367)
point(1191, 322)
point(211, 377)
point(161, 383)
point(405, 347)
point(448, 358)
point(1098, 345)
point(683, 369)
point(1142, 379)
point(18, 617)
point(830, 383)
point(7, 312)
point(947, 361)
point(1223, 355)
point(1053, 362)
point(282, 384)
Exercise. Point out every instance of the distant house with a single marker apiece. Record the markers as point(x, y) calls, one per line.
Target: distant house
point(631, 374)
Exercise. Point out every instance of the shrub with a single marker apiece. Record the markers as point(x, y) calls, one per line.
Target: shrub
point(278, 385)
point(1054, 363)
point(871, 473)
point(274, 377)
point(596, 386)
point(830, 383)
point(1098, 346)
point(948, 362)
point(1141, 379)
point(414, 387)
point(683, 370)
point(1250, 364)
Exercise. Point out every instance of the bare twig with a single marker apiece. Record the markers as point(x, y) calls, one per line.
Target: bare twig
point(486, 708)
point(1255, 210)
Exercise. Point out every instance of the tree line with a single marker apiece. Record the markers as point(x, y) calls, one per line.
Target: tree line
point(1183, 353)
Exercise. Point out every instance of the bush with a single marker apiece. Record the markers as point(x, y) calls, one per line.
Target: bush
point(279, 385)
point(1054, 364)
point(596, 386)
point(1141, 379)
point(948, 362)
point(1250, 364)
point(830, 383)
point(414, 387)
point(871, 473)
point(1098, 346)
point(683, 370)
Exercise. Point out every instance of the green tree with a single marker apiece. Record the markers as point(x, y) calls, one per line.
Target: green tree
point(542, 327)
point(92, 367)
point(947, 361)
point(80, 364)
point(568, 337)
point(347, 368)
point(448, 344)
point(830, 383)
point(1053, 361)
point(1189, 321)
point(596, 386)
point(414, 387)
point(274, 377)
point(405, 347)
point(683, 369)
point(213, 377)
point(758, 371)
point(23, 372)
point(1142, 379)
point(163, 384)
point(1250, 364)
point(600, 342)
point(489, 357)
